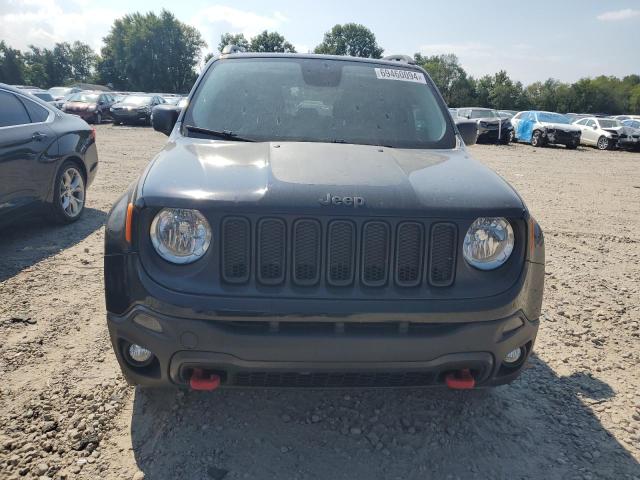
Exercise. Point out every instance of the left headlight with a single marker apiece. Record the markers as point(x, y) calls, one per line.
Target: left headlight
point(180, 235)
point(488, 243)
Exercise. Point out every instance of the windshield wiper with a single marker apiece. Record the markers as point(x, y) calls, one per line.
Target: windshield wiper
point(226, 134)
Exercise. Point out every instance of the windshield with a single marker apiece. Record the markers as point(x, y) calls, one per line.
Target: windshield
point(552, 118)
point(317, 100)
point(43, 96)
point(605, 123)
point(136, 100)
point(84, 97)
point(59, 91)
point(482, 114)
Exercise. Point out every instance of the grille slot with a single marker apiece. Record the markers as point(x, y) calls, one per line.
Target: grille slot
point(333, 379)
point(310, 252)
point(409, 254)
point(375, 254)
point(307, 236)
point(271, 251)
point(443, 254)
point(236, 249)
point(341, 253)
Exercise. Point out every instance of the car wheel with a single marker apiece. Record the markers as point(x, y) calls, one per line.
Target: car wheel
point(512, 136)
point(97, 119)
point(69, 194)
point(536, 139)
point(603, 143)
point(115, 122)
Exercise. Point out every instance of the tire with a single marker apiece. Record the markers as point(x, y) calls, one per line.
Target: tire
point(115, 122)
point(572, 145)
point(536, 139)
point(97, 119)
point(69, 194)
point(512, 136)
point(604, 143)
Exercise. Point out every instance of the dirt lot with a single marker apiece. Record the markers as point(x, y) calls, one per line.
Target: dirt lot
point(65, 411)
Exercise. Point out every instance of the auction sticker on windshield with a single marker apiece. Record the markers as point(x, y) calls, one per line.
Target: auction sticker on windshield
point(404, 75)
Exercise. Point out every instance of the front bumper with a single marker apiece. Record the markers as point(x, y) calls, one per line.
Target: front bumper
point(129, 116)
point(632, 143)
point(561, 137)
point(282, 343)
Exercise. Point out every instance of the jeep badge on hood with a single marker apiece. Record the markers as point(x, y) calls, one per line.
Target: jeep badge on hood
point(337, 200)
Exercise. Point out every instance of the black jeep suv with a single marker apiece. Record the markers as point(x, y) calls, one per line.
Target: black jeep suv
point(316, 221)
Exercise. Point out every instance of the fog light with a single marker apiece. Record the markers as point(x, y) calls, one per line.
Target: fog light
point(514, 356)
point(139, 354)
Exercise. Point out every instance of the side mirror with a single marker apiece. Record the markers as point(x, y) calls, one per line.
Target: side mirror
point(595, 127)
point(468, 131)
point(164, 118)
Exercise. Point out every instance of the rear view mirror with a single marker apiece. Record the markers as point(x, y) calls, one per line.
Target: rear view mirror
point(164, 118)
point(468, 131)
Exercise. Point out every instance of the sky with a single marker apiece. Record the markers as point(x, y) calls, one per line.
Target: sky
point(562, 39)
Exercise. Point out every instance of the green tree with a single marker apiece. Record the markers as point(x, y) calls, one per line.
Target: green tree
point(270, 42)
point(233, 39)
point(11, 65)
point(350, 39)
point(456, 87)
point(150, 52)
point(83, 61)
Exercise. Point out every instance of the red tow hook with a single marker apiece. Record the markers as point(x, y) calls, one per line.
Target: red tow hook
point(201, 380)
point(460, 380)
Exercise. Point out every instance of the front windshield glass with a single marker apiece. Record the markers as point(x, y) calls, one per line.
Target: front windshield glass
point(317, 100)
point(136, 100)
point(483, 114)
point(606, 123)
point(59, 91)
point(84, 97)
point(552, 118)
point(43, 96)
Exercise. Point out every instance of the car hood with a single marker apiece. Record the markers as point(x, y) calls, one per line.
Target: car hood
point(296, 176)
point(567, 127)
point(128, 105)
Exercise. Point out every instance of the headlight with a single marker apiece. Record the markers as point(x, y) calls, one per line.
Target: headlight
point(180, 235)
point(488, 243)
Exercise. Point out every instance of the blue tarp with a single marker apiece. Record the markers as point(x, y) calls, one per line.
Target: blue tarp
point(524, 131)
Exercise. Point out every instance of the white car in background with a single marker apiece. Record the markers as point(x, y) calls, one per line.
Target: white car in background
point(607, 133)
point(545, 128)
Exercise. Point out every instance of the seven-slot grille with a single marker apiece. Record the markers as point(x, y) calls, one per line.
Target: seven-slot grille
point(340, 253)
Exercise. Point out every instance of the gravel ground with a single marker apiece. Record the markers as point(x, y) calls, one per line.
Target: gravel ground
point(66, 412)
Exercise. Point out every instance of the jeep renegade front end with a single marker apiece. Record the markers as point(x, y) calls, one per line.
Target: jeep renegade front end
point(316, 221)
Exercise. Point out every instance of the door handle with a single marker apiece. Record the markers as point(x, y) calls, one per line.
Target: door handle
point(38, 136)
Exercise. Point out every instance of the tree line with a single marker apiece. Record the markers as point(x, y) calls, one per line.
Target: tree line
point(157, 52)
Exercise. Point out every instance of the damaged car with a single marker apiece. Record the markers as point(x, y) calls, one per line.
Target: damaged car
point(294, 233)
point(546, 128)
point(492, 128)
point(608, 133)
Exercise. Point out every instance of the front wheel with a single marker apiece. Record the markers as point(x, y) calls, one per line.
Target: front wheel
point(512, 136)
point(69, 194)
point(97, 119)
point(572, 145)
point(536, 139)
point(603, 143)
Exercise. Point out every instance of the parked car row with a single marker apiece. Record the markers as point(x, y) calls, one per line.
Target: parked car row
point(541, 128)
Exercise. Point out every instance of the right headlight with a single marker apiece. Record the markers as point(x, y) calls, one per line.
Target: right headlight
point(180, 235)
point(488, 243)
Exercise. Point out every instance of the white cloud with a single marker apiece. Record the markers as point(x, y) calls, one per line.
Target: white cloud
point(617, 15)
point(44, 22)
point(215, 20)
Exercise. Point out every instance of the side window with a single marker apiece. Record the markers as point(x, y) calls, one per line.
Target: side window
point(517, 116)
point(581, 122)
point(591, 123)
point(12, 111)
point(36, 112)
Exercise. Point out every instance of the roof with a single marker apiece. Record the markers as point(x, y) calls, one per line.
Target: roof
point(315, 56)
